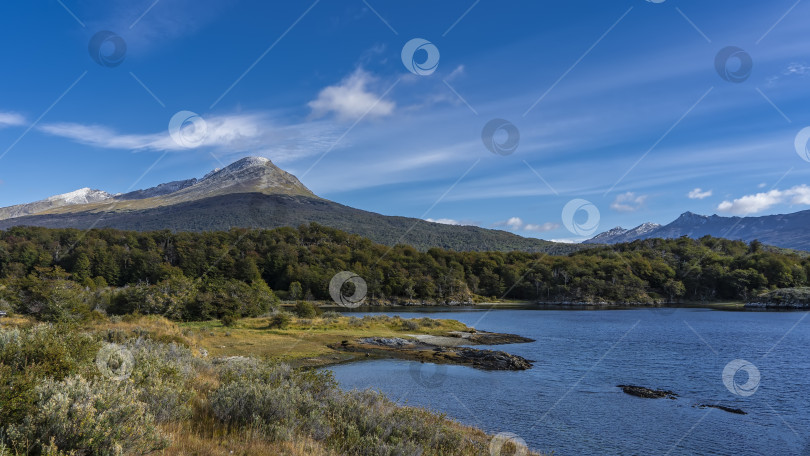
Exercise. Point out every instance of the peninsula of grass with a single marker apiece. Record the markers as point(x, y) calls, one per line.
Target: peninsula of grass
point(304, 341)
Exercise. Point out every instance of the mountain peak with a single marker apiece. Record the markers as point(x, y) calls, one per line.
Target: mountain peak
point(251, 161)
point(620, 234)
point(80, 196)
point(77, 197)
point(246, 175)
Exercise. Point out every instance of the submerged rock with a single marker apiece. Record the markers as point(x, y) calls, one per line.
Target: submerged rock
point(648, 393)
point(723, 408)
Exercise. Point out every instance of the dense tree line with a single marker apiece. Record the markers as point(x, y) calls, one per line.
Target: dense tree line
point(51, 272)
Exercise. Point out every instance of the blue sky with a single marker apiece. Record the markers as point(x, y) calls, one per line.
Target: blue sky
point(616, 103)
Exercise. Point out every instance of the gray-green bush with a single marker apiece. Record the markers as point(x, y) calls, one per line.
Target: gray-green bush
point(100, 417)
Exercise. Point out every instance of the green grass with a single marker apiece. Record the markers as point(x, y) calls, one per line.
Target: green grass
point(303, 338)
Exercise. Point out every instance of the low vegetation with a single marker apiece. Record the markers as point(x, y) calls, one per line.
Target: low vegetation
point(142, 385)
point(785, 296)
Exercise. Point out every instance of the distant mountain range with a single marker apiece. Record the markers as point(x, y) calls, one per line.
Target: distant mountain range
point(253, 193)
point(791, 231)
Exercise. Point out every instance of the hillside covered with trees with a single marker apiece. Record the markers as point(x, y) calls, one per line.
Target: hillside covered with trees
point(54, 274)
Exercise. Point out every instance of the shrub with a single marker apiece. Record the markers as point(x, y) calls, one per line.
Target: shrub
point(49, 296)
point(229, 319)
point(161, 372)
point(53, 350)
point(305, 309)
point(331, 315)
point(94, 417)
point(410, 325)
point(280, 404)
point(31, 354)
point(280, 320)
point(273, 399)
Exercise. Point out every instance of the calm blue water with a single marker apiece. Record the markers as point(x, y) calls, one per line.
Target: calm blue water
point(568, 403)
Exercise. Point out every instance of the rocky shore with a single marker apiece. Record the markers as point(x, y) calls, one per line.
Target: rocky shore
point(417, 350)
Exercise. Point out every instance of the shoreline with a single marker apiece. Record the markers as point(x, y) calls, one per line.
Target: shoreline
point(443, 349)
point(532, 305)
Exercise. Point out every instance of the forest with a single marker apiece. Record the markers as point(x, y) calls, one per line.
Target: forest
point(58, 274)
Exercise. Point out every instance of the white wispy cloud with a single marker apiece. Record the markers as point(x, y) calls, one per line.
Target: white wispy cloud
point(517, 224)
point(628, 202)
point(751, 204)
point(351, 98)
point(11, 119)
point(794, 69)
point(541, 228)
point(444, 221)
point(104, 137)
point(255, 133)
point(458, 71)
point(699, 194)
point(567, 240)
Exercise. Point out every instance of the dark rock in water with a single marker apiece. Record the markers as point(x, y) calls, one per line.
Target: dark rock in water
point(723, 408)
point(648, 393)
point(486, 359)
point(421, 351)
point(474, 337)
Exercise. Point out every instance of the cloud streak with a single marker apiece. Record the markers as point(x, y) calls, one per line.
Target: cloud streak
point(11, 119)
point(257, 134)
point(752, 204)
point(517, 224)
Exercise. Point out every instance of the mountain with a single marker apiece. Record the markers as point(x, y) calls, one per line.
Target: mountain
point(785, 230)
point(77, 197)
point(160, 190)
point(619, 234)
point(254, 193)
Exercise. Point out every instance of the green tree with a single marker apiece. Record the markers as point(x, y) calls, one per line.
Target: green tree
point(296, 291)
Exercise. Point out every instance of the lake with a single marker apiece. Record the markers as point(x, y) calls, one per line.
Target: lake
point(569, 403)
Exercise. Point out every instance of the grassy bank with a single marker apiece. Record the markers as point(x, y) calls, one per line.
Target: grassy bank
point(137, 385)
point(304, 340)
